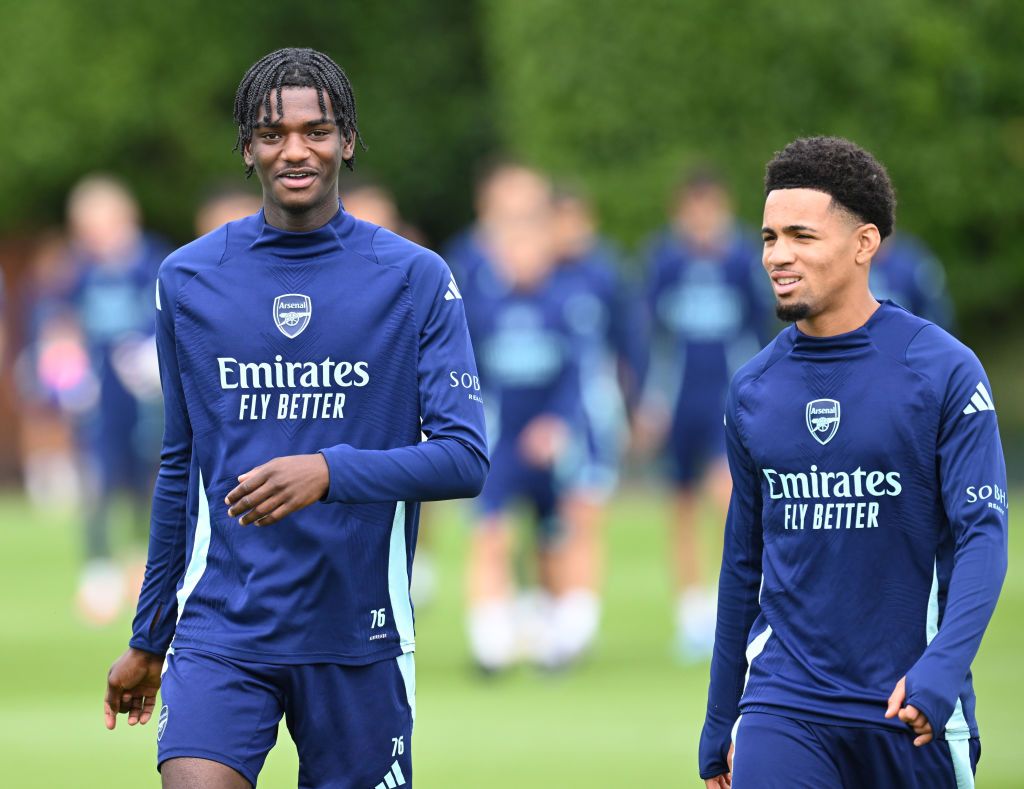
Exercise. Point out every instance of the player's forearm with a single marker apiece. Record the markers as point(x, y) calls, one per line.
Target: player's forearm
point(973, 476)
point(153, 627)
point(630, 341)
point(156, 613)
point(739, 586)
point(738, 607)
point(441, 468)
point(661, 380)
point(935, 681)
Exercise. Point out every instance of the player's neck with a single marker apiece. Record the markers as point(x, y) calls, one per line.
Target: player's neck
point(848, 316)
point(304, 221)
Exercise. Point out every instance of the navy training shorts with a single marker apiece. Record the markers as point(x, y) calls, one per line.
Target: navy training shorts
point(696, 440)
point(776, 752)
point(352, 725)
point(511, 481)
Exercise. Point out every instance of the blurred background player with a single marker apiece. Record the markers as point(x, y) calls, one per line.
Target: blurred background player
point(906, 271)
point(54, 379)
point(709, 315)
point(222, 204)
point(529, 378)
point(467, 252)
point(112, 300)
point(371, 201)
point(608, 322)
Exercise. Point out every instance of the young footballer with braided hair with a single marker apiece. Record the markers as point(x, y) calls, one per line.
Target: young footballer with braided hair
point(304, 355)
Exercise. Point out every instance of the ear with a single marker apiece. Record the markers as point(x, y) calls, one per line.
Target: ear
point(868, 241)
point(247, 154)
point(348, 148)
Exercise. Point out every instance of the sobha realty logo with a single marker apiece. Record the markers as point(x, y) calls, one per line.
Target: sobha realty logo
point(291, 313)
point(161, 725)
point(823, 419)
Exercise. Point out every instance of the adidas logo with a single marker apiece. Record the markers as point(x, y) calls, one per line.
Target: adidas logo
point(453, 291)
point(394, 777)
point(981, 400)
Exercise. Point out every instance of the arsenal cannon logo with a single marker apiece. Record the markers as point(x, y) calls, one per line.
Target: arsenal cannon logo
point(291, 313)
point(823, 419)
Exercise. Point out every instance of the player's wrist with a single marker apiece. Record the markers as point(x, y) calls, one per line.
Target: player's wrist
point(145, 650)
point(142, 656)
point(323, 475)
point(326, 496)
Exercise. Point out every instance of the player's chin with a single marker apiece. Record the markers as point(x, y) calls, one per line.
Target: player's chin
point(789, 310)
point(299, 200)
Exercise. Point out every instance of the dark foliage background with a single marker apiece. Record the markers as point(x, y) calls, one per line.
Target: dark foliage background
point(620, 99)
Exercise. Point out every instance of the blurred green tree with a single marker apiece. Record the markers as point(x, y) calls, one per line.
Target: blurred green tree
point(622, 98)
point(627, 97)
point(145, 91)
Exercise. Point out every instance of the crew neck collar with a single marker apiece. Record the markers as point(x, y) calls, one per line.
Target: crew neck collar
point(847, 341)
point(307, 244)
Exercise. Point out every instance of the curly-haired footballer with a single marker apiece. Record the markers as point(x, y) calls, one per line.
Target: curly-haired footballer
point(865, 545)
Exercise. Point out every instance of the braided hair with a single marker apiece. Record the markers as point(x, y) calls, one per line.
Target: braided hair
point(295, 68)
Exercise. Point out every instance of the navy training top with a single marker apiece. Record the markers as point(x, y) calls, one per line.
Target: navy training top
point(343, 340)
point(867, 534)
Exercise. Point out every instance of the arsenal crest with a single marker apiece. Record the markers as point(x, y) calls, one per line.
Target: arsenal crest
point(823, 419)
point(291, 313)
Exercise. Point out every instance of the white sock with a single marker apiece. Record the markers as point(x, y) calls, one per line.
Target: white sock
point(535, 626)
point(101, 591)
point(577, 616)
point(492, 634)
point(695, 617)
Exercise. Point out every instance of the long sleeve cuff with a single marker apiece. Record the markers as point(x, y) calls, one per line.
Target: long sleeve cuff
point(442, 468)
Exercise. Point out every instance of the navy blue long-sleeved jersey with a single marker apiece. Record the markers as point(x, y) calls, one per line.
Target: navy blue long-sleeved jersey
point(906, 271)
point(534, 347)
point(867, 535)
point(465, 254)
point(344, 340)
point(612, 329)
point(114, 300)
point(113, 304)
point(708, 316)
point(529, 347)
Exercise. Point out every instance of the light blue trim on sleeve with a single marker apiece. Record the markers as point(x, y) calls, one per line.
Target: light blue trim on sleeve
point(407, 665)
point(960, 750)
point(398, 581)
point(956, 727)
point(200, 549)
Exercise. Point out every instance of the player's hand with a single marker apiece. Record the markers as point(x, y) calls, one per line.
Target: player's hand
point(132, 683)
point(278, 488)
point(543, 440)
point(648, 430)
point(909, 714)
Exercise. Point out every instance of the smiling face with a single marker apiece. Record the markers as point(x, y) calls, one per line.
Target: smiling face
point(297, 156)
point(817, 255)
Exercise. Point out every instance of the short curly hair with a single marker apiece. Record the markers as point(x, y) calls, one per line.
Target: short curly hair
point(854, 178)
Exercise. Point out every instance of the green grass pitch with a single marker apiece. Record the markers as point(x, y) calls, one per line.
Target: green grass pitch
point(630, 716)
